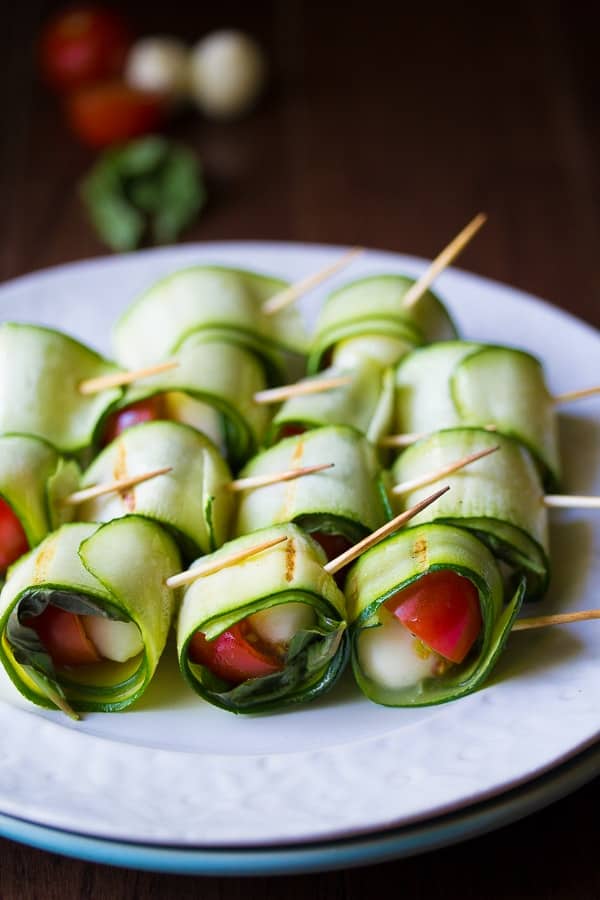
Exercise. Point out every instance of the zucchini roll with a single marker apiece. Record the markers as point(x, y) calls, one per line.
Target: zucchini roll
point(500, 497)
point(369, 313)
point(366, 403)
point(339, 506)
point(40, 374)
point(33, 477)
point(212, 389)
point(266, 632)
point(84, 617)
point(221, 302)
point(427, 616)
point(465, 383)
point(192, 500)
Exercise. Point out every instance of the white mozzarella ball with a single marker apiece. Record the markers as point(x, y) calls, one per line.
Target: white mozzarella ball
point(159, 64)
point(392, 657)
point(279, 624)
point(384, 350)
point(118, 641)
point(227, 72)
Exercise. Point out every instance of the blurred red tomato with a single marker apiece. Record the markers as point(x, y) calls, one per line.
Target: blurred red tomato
point(83, 44)
point(104, 114)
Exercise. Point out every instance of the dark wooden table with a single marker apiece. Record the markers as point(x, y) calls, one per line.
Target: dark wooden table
point(382, 128)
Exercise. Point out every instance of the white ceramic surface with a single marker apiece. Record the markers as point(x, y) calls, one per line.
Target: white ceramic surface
point(176, 771)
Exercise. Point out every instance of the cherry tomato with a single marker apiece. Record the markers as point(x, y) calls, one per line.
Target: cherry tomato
point(291, 430)
point(144, 411)
point(63, 636)
point(13, 542)
point(442, 609)
point(333, 544)
point(112, 112)
point(82, 45)
point(232, 656)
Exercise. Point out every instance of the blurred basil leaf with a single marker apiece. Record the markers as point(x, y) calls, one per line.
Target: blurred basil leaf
point(151, 187)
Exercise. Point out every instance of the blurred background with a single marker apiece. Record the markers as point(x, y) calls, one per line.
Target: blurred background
point(379, 124)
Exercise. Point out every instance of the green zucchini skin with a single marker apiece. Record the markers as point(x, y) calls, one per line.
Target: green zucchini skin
point(465, 383)
point(348, 499)
point(400, 560)
point(222, 375)
point(118, 570)
point(373, 306)
point(213, 299)
point(192, 501)
point(40, 373)
point(500, 498)
point(365, 403)
point(32, 477)
point(288, 572)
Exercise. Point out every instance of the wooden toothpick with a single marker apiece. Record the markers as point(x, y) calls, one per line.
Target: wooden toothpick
point(192, 575)
point(568, 396)
point(289, 295)
point(443, 260)
point(111, 487)
point(257, 481)
point(371, 539)
point(571, 501)
point(557, 619)
point(310, 386)
point(423, 480)
point(411, 437)
point(119, 379)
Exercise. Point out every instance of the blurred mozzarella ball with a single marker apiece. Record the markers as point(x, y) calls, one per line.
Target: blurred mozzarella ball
point(159, 64)
point(227, 72)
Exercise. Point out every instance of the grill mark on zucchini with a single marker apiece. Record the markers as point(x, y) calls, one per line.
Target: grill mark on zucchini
point(292, 486)
point(420, 554)
point(43, 561)
point(290, 560)
point(120, 471)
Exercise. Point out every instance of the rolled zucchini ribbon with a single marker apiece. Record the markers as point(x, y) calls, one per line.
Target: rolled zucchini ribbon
point(398, 562)
point(348, 499)
point(465, 383)
point(116, 571)
point(372, 307)
point(192, 501)
point(222, 303)
point(33, 478)
point(499, 498)
point(40, 374)
point(289, 572)
point(366, 403)
point(213, 390)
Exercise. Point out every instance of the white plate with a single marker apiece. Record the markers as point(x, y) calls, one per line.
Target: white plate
point(175, 771)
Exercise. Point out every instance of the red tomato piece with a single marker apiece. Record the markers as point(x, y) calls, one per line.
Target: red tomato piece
point(112, 112)
point(144, 411)
point(442, 609)
point(291, 430)
point(232, 656)
point(82, 45)
point(62, 635)
point(333, 544)
point(13, 542)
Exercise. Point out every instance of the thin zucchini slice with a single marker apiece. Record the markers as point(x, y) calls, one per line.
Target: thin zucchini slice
point(30, 474)
point(224, 377)
point(40, 374)
point(365, 403)
point(463, 383)
point(398, 562)
point(373, 306)
point(192, 500)
point(289, 573)
point(348, 499)
point(116, 571)
point(499, 497)
point(207, 298)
